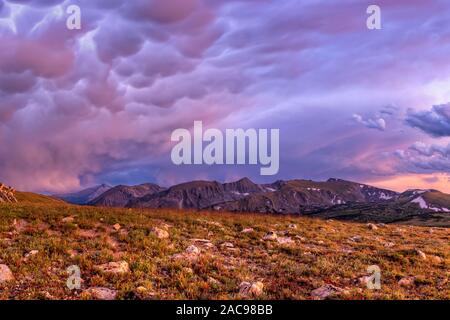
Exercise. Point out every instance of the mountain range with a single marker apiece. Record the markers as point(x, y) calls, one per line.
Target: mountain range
point(334, 198)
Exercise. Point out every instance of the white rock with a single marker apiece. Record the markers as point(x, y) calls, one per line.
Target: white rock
point(100, 293)
point(254, 289)
point(160, 233)
point(193, 250)
point(120, 267)
point(327, 291)
point(5, 274)
point(270, 236)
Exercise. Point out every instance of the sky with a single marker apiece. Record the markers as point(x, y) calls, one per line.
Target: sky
point(99, 104)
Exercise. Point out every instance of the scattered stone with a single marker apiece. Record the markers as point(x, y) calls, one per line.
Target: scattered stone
point(247, 230)
point(292, 226)
point(69, 219)
point(20, 225)
point(254, 289)
point(227, 245)
point(5, 274)
point(356, 239)
point(421, 254)
point(364, 280)
point(120, 267)
point(407, 281)
point(327, 291)
point(116, 227)
point(270, 236)
point(100, 293)
point(303, 239)
point(193, 250)
point(160, 233)
point(30, 254)
point(201, 240)
point(389, 244)
point(371, 226)
point(285, 241)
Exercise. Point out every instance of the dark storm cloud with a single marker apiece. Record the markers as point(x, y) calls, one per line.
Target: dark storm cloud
point(435, 122)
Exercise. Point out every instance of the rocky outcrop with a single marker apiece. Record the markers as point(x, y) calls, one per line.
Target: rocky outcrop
point(120, 196)
point(7, 194)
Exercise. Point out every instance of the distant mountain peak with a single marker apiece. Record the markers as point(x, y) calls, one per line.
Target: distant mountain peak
point(84, 196)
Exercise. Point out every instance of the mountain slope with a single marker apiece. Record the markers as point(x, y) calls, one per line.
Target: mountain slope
point(292, 196)
point(119, 196)
point(35, 198)
point(84, 196)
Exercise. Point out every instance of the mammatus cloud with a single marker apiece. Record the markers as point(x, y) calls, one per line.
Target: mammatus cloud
point(80, 107)
point(375, 123)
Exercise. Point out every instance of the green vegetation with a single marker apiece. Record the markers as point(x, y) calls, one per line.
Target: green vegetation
point(308, 254)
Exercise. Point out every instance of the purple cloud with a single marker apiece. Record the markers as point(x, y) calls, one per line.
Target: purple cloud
point(98, 104)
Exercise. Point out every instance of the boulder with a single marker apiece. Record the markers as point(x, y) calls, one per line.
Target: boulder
point(120, 267)
point(251, 289)
point(100, 293)
point(5, 274)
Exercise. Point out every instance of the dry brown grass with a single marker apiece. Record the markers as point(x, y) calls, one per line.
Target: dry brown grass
point(322, 253)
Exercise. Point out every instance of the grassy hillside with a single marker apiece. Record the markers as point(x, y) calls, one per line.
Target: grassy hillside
point(34, 198)
point(207, 256)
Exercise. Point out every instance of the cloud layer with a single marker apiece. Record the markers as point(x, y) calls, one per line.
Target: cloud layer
point(80, 107)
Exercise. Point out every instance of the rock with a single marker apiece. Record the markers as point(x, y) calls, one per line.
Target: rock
point(213, 282)
point(389, 244)
point(201, 240)
point(285, 240)
point(364, 280)
point(421, 254)
point(30, 254)
point(270, 236)
point(327, 291)
point(7, 194)
point(100, 293)
point(69, 219)
point(292, 226)
point(5, 274)
point(371, 226)
point(160, 233)
point(20, 225)
point(193, 250)
point(356, 239)
point(247, 230)
point(407, 282)
point(116, 227)
point(120, 267)
point(227, 245)
point(254, 289)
